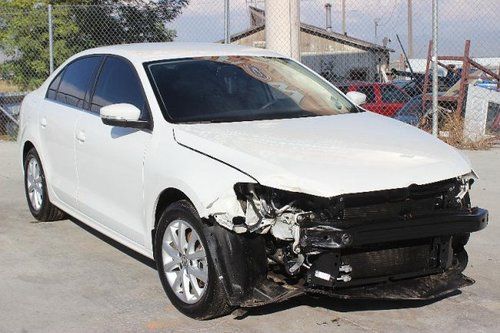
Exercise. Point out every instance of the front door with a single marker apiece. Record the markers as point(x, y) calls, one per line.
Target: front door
point(110, 159)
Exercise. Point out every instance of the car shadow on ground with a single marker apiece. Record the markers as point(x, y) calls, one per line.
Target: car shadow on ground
point(314, 301)
point(131, 253)
point(339, 305)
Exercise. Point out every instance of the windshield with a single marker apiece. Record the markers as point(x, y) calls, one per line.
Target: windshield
point(238, 88)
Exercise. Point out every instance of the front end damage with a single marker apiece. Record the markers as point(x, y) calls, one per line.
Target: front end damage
point(405, 243)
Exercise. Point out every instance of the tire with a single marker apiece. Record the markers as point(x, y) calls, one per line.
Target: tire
point(35, 187)
point(207, 301)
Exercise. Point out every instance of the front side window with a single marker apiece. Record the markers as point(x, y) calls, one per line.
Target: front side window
point(391, 94)
point(239, 88)
point(76, 81)
point(118, 83)
point(344, 89)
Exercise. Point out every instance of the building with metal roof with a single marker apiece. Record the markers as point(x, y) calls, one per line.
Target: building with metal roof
point(336, 56)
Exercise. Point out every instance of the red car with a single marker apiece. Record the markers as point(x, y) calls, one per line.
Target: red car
point(383, 98)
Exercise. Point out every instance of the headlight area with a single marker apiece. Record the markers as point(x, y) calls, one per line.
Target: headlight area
point(338, 245)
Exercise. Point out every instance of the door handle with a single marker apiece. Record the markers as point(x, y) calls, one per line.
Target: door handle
point(80, 136)
point(43, 122)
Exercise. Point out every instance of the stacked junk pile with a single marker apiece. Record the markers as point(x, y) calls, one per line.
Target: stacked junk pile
point(468, 99)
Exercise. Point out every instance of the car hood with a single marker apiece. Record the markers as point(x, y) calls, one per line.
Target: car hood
point(328, 155)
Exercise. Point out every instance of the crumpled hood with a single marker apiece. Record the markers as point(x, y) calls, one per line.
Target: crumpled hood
point(329, 155)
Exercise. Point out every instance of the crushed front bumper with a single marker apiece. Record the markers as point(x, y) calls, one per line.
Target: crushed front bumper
point(419, 288)
point(328, 236)
point(413, 259)
point(407, 259)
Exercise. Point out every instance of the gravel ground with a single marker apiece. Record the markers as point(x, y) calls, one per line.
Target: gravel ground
point(63, 277)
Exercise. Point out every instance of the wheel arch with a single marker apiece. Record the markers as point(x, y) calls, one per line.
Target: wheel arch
point(167, 197)
point(27, 146)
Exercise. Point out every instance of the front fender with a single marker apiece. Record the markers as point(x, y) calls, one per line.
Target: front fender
point(205, 181)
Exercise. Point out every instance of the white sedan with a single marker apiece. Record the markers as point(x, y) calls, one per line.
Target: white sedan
point(247, 177)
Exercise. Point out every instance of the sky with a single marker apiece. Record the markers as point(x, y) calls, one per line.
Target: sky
point(477, 20)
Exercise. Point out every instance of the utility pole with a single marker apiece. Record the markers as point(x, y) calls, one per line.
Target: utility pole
point(376, 21)
point(51, 40)
point(344, 31)
point(435, 28)
point(410, 29)
point(227, 27)
point(283, 31)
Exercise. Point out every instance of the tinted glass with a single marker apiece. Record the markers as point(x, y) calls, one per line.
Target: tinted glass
point(344, 89)
point(238, 88)
point(52, 91)
point(118, 83)
point(369, 92)
point(76, 81)
point(391, 94)
point(412, 107)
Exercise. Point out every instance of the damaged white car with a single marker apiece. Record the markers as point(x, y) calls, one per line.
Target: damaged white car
point(247, 177)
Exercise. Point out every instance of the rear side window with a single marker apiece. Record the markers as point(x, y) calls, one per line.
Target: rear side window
point(391, 94)
point(52, 91)
point(118, 83)
point(369, 92)
point(76, 81)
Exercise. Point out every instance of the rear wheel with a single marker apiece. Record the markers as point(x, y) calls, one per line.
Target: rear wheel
point(35, 187)
point(185, 265)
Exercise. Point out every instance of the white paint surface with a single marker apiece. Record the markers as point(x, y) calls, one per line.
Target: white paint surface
point(113, 178)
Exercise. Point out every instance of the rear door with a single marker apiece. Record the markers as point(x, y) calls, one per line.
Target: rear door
point(64, 102)
point(110, 159)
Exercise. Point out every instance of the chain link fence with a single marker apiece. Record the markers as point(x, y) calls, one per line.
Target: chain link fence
point(379, 48)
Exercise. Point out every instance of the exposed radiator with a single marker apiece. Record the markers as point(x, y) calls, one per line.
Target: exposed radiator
point(389, 261)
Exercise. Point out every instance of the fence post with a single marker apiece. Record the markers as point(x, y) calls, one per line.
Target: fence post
point(435, 118)
point(227, 32)
point(51, 41)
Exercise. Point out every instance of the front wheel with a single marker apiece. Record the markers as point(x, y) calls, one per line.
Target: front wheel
point(185, 265)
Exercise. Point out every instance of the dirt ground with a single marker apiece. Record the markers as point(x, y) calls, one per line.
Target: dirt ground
point(63, 277)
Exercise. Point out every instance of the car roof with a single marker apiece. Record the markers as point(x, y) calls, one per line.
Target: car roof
point(145, 52)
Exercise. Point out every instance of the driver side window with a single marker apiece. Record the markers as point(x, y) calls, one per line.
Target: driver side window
point(118, 83)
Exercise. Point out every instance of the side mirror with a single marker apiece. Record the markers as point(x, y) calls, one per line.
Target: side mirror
point(122, 115)
point(356, 97)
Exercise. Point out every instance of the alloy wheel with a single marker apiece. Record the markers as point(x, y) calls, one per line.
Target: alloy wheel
point(185, 261)
point(34, 184)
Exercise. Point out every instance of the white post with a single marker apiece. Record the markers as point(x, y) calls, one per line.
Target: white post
point(283, 27)
point(227, 32)
point(410, 29)
point(435, 119)
point(344, 31)
point(51, 41)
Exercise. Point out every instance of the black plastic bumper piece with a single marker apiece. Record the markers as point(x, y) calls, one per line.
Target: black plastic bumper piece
point(420, 288)
point(331, 237)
